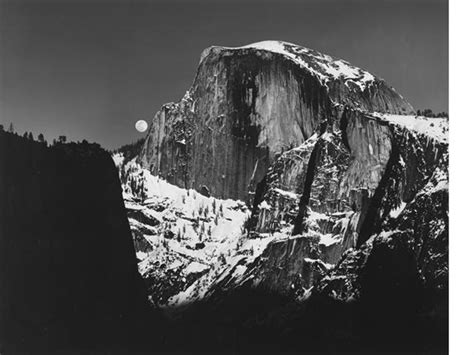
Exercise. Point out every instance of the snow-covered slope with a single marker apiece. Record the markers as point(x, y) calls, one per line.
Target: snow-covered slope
point(183, 239)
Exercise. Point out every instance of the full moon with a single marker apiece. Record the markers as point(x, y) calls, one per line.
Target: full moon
point(141, 126)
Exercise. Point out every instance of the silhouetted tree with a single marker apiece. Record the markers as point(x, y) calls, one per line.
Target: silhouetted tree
point(131, 150)
point(41, 138)
point(62, 139)
point(1, 128)
point(429, 113)
point(10, 128)
point(30, 136)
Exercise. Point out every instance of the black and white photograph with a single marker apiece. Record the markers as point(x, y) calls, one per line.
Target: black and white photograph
point(242, 177)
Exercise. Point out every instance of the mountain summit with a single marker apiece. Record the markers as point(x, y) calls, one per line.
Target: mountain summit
point(251, 103)
point(323, 66)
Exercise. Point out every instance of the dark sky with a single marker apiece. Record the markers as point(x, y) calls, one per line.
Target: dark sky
point(91, 69)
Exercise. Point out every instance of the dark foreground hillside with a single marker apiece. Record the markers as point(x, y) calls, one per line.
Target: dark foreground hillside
point(68, 274)
point(396, 314)
point(69, 281)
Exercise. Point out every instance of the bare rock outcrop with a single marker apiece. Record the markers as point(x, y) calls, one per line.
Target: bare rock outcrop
point(249, 104)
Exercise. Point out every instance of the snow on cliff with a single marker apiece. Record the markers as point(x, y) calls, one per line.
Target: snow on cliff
point(433, 127)
point(321, 65)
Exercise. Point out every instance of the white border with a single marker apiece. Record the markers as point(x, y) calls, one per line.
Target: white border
point(461, 112)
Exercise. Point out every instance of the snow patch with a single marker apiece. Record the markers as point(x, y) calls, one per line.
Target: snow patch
point(118, 159)
point(287, 193)
point(195, 267)
point(329, 239)
point(396, 211)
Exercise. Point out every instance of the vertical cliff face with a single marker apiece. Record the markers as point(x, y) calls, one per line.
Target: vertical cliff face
point(370, 144)
point(68, 272)
point(246, 106)
point(358, 181)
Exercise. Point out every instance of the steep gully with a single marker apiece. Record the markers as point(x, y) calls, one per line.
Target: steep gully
point(314, 159)
point(369, 222)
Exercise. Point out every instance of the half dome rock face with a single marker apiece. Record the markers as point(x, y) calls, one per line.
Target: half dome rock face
point(327, 159)
point(249, 104)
